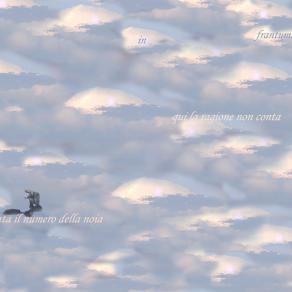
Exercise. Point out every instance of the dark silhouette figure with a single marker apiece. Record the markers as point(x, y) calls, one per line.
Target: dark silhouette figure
point(34, 205)
point(34, 199)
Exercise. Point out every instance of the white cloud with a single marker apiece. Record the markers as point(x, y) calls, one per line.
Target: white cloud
point(116, 255)
point(16, 3)
point(5, 197)
point(80, 252)
point(76, 18)
point(191, 128)
point(14, 108)
point(63, 281)
point(133, 37)
point(42, 160)
point(141, 236)
point(225, 265)
point(108, 264)
point(185, 126)
point(265, 235)
point(243, 72)
point(94, 100)
point(3, 202)
point(4, 147)
point(265, 35)
point(140, 190)
point(257, 9)
point(195, 3)
point(239, 144)
point(6, 67)
point(189, 53)
point(103, 268)
point(218, 217)
point(281, 168)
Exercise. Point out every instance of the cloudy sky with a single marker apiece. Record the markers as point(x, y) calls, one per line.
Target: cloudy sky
point(88, 95)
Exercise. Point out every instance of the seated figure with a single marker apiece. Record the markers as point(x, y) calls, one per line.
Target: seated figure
point(34, 199)
point(34, 205)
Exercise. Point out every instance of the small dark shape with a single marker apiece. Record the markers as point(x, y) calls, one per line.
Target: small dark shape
point(34, 199)
point(28, 213)
point(36, 209)
point(34, 205)
point(12, 212)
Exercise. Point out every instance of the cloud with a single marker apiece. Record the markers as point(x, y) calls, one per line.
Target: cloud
point(42, 160)
point(137, 37)
point(95, 100)
point(280, 168)
point(195, 3)
point(238, 144)
point(63, 281)
point(16, 3)
point(90, 128)
point(14, 109)
point(241, 73)
point(103, 268)
point(251, 10)
point(81, 252)
point(3, 202)
point(219, 217)
point(140, 190)
point(6, 67)
point(266, 235)
point(192, 128)
point(108, 264)
point(116, 255)
point(225, 265)
point(141, 236)
point(76, 18)
point(190, 53)
point(265, 35)
point(5, 197)
point(4, 147)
